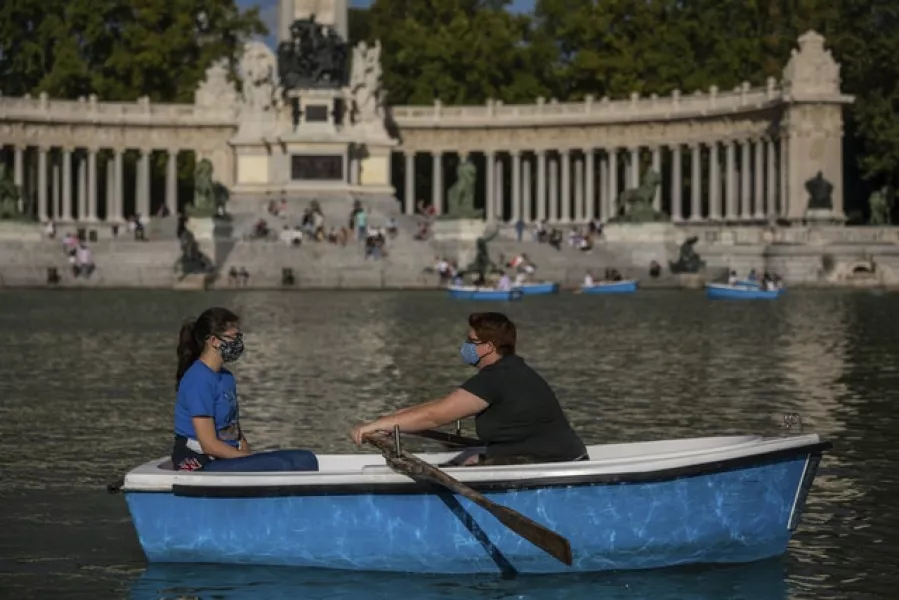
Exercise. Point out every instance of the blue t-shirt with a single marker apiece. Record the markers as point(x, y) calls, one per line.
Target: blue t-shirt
point(207, 393)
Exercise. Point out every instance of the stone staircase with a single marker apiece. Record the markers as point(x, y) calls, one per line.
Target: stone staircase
point(119, 263)
point(326, 265)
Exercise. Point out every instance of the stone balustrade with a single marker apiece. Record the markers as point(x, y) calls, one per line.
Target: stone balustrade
point(91, 110)
point(495, 114)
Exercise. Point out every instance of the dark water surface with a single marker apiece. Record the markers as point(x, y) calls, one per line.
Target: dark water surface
point(86, 392)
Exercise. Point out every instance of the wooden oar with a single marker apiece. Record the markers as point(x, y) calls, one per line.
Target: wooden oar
point(547, 540)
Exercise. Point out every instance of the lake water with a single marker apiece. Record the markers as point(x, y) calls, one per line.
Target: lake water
point(86, 392)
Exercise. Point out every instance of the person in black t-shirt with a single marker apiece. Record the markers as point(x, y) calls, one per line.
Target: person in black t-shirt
point(517, 414)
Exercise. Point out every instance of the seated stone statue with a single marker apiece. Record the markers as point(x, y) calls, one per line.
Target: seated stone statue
point(688, 260)
point(820, 191)
point(460, 198)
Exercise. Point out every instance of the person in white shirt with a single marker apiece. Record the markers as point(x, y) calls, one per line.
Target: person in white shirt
point(520, 279)
point(504, 284)
point(732, 278)
point(588, 280)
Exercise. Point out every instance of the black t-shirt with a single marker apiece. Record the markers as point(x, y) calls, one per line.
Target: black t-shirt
point(524, 416)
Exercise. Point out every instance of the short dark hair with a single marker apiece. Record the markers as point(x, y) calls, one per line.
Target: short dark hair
point(495, 328)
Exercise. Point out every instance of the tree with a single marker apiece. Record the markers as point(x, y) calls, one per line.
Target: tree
point(458, 51)
point(118, 49)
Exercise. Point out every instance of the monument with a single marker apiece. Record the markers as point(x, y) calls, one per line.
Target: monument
point(820, 200)
point(462, 222)
point(311, 118)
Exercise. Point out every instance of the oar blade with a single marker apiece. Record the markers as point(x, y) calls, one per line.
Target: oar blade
point(549, 541)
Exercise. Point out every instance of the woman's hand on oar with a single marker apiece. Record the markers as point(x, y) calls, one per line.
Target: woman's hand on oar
point(547, 540)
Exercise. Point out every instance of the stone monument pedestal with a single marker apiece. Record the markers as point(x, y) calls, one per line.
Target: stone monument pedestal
point(665, 233)
point(457, 238)
point(823, 216)
point(458, 230)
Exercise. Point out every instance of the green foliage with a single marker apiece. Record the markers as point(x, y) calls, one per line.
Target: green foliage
point(460, 51)
point(117, 49)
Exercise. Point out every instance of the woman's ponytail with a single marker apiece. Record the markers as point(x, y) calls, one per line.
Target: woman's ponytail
point(189, 350)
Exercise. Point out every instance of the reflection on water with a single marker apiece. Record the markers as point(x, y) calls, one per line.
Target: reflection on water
point(759, 581)
point(86, 392)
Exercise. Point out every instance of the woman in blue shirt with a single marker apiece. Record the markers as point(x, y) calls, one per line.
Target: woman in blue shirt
point(207, 415)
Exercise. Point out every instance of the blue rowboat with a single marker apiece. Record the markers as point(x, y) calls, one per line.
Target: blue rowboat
point(611, 287)
point(644, 505)
point(538, 289)
point(470, 292)
point(740, 292)
point(754, 283)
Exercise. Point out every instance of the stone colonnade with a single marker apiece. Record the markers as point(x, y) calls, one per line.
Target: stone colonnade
point(69, 184)
point(732, 181)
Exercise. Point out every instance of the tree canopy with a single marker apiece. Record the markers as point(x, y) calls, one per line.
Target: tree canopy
point(117, 49)
point(466, 51)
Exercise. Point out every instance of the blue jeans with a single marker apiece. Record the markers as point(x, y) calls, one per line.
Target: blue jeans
point(275, 460)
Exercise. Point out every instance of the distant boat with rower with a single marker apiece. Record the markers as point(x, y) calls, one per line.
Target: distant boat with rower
point(612, 283)
point(769, 287)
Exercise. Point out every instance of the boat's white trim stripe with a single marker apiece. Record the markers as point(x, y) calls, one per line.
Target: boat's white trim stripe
point(799, 487)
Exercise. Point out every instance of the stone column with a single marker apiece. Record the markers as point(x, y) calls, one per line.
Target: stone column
point(730, 181)
point(613, 184)
point(437, 182)
point(527, 211)
point(118, 163)
point(541, 185)
point(66, 212)
point(786, 198)
point(634, 168)
point(143, 183)
point(42, 204)
point(553, 190)
point(579, 209)
point(589, 185)
point(19, 167)
point(696, 183)
point(82, 188)
point(92, 184)
point(746, 180)
point(759, 191)
point(111, 200)
point(499, 197)
point(490, 196)
point(516, 185)
point(354, 169)
point(565, 167)
point(772, 178)
point(657, 167)
point(409, 207)
point(676, 184)
point(603, 187)
point(57, 197)
point(714, 183)
point(171, 181)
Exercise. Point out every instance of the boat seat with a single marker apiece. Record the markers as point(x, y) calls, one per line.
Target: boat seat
point(167, 465)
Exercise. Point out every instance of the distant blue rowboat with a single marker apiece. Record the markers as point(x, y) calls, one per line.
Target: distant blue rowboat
point(611, 287)
point(739, 292)
point(538, 289)
point(630, 506)
point(464, 292)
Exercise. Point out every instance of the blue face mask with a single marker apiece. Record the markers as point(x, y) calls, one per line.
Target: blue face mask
point(469, 351)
